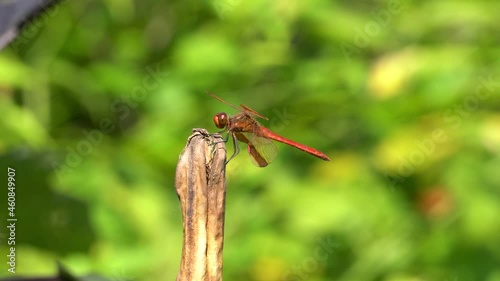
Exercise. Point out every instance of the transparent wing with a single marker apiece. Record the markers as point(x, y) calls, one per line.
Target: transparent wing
point(262, 151)
point(253, 112)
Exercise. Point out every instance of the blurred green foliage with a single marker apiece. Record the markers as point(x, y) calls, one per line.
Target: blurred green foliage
point(98, 99)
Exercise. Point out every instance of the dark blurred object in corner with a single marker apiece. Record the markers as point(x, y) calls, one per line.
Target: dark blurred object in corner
point(14, 14)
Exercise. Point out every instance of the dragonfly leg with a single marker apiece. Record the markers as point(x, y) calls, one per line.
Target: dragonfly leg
point(214, 143)
point(236, 148)
point(226, 138)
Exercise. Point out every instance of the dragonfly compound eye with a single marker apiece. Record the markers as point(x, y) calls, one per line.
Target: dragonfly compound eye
point(220, 120)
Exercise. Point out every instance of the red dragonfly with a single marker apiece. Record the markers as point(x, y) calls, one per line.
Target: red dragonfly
point(243, 127)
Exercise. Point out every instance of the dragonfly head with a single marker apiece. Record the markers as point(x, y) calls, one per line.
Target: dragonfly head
point(220, 120)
